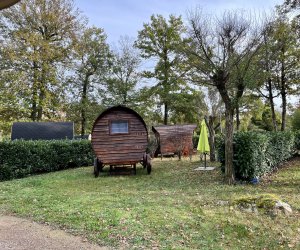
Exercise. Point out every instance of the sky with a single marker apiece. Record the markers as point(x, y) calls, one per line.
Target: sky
point(126, 17)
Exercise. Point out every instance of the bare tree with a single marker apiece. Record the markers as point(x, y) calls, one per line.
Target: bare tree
point(218, 47)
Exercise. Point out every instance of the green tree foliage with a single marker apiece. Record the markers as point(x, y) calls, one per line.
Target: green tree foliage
point(73, 113)
point(266, 87)
point(253, 108)
point(187, 106)
point(296, 119)
point(91, 54)
point(261, 118)
point(266, 119)
point(12, 105)
point(146, 105)
point(159, 40)
point(286, 65)
point(121, 83)
point(37, 36)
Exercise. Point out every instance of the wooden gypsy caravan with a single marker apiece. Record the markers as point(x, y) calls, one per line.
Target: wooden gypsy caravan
point(174, 139)
point(119, 140)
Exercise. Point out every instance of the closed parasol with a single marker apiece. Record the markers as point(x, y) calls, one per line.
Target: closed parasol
point(203, 145)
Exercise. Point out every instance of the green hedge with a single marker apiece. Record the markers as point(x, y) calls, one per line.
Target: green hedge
point(22, 158)
point(257, 153)
point(297, 140)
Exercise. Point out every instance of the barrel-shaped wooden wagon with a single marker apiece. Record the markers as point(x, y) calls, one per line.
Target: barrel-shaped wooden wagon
point(119, 140)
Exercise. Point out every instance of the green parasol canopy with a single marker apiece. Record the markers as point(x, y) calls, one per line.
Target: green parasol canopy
point(203, 145)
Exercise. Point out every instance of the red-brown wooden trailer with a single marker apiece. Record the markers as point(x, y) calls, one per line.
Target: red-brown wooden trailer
point(120, 138)
point(174, 139)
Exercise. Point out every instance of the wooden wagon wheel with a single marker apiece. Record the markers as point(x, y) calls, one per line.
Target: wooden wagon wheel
point(97, 167)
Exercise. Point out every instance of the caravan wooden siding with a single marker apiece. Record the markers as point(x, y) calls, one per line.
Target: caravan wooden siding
point(119, 145)
point(174, 137)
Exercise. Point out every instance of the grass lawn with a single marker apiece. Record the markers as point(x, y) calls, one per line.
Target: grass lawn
point(173, 208)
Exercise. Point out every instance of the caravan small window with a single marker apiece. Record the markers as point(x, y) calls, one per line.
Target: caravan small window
point(119, 127)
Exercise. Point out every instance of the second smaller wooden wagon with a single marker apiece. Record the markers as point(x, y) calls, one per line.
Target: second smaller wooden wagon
point(120, 139)
point(174, 139)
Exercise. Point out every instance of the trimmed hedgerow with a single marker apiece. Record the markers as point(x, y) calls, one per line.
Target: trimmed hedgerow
point(280, 148)
point(22, 158)
point(249, 154)
point(257, 153)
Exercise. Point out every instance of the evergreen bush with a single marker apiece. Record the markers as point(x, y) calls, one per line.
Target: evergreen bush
point(257, 153)
point(297, 140)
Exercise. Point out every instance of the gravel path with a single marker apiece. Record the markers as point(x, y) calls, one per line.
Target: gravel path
point(22, 234)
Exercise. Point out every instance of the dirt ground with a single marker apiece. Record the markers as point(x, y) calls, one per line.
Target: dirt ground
point(22, 234)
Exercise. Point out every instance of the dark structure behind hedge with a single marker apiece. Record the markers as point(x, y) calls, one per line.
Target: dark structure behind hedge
point(22, 158)
point(257, 153)
point(42, 130)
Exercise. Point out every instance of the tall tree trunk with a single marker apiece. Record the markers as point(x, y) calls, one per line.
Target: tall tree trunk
point(42, 95)
point(211, 139)
point(83, 105)
point(220, 79)
point(83, 122)
point(269, 86)
point(239, 94)
point(40, 108)
point(166, 114)
point(229, 170)
point(237, 116)
point(271, 101)
point(283, 115)
point(166, 85)
point(283, 97)
point(33, 114)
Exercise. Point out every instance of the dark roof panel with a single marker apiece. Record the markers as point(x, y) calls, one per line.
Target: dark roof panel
point(42, 130)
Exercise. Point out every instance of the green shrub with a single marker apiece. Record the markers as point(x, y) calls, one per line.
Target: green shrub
point(220, 149)
point(21, 158)
point(296, 119)
point(297, 140)
point(280, 148)
point(5, 172)
point(257, 153)
point(195, 141)
point(249, 151)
